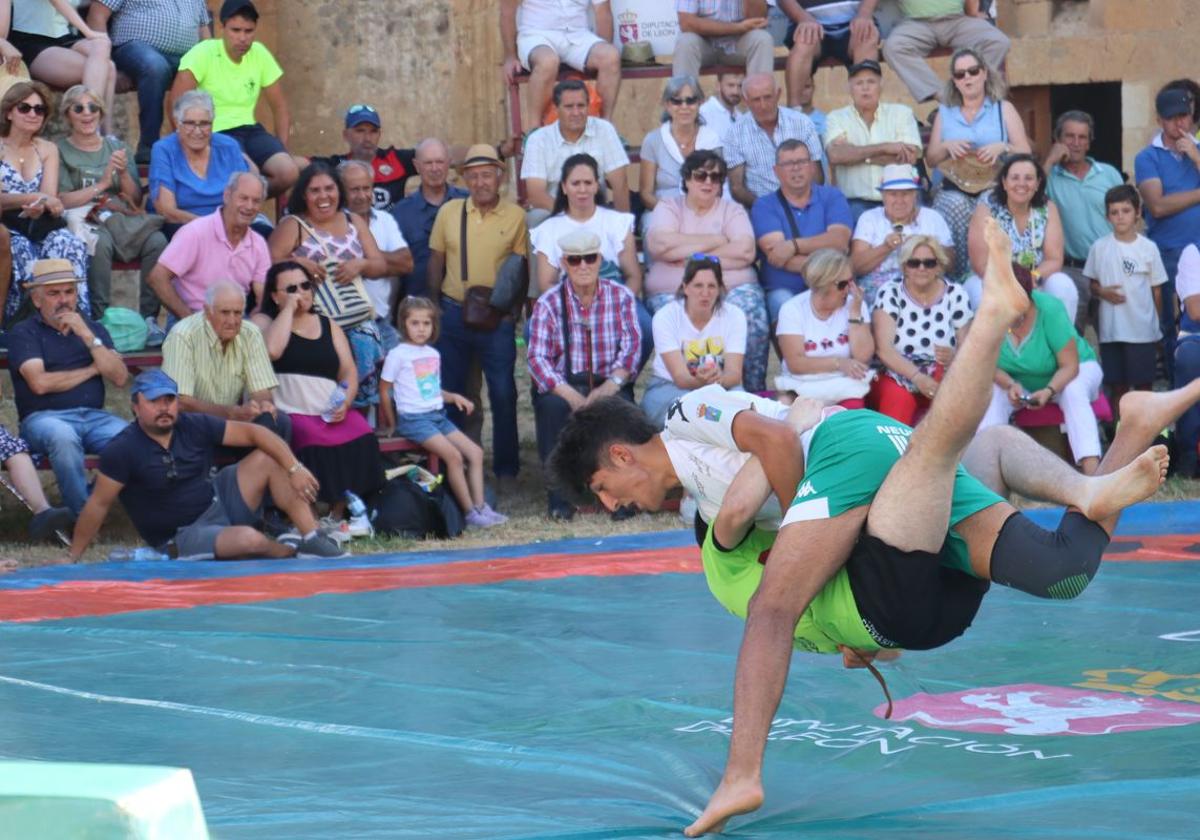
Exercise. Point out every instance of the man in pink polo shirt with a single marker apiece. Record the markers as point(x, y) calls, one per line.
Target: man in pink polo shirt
point(220, 246)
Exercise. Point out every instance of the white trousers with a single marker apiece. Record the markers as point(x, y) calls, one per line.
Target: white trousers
point(1058, 284)
point(1076, 399)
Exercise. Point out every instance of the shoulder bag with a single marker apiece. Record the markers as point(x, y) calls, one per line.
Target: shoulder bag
point(346, 304)
point(478, 312)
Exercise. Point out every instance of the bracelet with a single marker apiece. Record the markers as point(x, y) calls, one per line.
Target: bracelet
point(1050, 388)
point(857, 321)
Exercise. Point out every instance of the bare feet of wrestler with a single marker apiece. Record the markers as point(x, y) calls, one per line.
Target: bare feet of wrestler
point(1003, 297)
point(732, 797)
point(1108, 495)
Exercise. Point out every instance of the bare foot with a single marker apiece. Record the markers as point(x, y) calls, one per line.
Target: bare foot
point(729, 800)
point(1003, 297)
point(7, 564)
point(1108, 495)
point(1147, 413)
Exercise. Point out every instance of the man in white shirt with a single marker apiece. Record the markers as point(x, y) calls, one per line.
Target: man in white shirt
point(723, 107)
point(538, 35)
point(358, 181)
point(574, 132)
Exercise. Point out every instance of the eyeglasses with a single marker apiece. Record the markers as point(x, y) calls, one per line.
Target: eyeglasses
point(168, 461)
point(361, 109)
point(793, 164)
point(842, 285)
point(197, 125)
point(968, 71)
point(913, 262)
point(709, 258)
point(576, 259)
point(684, 100)
point(25, 108)
point(703, 175)
point(306, 286)
point(91, 108)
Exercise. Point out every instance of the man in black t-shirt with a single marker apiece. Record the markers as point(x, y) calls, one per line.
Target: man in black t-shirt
point(160, 468)
point(393, 167)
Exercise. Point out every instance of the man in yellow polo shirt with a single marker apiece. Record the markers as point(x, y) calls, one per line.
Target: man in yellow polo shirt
point(495, 244)
point(235, 70)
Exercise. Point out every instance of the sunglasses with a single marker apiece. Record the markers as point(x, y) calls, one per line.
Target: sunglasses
point(970, 71)
point(709, 258)
point(576, 259)
point(168, 461)
point(913, 262)
point(25, 108)
point(842, 285)
point(306, 286)
point(703, 175)
point(359, 109)
point(91, 108)
point(684, 100)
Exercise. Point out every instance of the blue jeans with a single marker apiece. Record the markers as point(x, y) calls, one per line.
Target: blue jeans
point(64, 436)
point(497, 354)
point(1187, 427)
point(1170, 258)
point(776, 298)
point(153, 73)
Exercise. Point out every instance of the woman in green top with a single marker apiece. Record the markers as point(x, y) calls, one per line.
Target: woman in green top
point(1045, 360)
point(94, 169)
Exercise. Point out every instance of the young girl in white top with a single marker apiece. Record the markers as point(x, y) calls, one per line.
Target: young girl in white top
point(414, 368)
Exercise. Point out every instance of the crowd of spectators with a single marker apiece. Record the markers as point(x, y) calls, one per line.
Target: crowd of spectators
point(846, 242)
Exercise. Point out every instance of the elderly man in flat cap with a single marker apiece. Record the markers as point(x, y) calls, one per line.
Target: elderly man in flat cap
point(584, 343)
point(477, 260)
point(59, 360)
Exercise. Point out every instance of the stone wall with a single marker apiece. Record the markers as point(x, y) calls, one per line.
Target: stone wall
point(433, 68)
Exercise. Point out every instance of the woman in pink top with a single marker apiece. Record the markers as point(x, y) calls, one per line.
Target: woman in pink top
point(703, 221)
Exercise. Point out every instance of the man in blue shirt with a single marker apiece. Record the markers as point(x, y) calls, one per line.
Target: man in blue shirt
point(795, 220)
point(1167, 173)
point(416, 213)
point(59, 361)
point(160, 468)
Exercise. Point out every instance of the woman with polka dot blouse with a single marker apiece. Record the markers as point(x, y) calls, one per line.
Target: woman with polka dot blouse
point(918, 322)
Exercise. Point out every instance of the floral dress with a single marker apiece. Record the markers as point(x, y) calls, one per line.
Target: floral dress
point(366, 343)
point(61, 244)
point(1027, 244)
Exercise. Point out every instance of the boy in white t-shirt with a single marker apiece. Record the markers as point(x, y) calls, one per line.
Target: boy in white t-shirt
point(1126, 273)
point(414, 368)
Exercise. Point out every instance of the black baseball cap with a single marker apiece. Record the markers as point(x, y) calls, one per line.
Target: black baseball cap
point(1173, 102)
point(869, 64)
point(245, 8)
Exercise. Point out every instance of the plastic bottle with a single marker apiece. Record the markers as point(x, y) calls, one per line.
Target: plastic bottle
point(336, 400)
point(360, 521)
point(137, 555)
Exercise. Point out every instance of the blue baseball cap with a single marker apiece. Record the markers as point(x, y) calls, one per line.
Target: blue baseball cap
point(153, 384)
point(360, 113)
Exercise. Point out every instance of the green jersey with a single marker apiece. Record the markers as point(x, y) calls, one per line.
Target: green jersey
point(851, 454)
point(830, 620)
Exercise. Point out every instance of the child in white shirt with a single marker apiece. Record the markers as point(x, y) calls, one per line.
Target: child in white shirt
point(1126, 273)
point(414, 369)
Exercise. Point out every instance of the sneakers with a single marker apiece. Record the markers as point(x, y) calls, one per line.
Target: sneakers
point(43, 526)
point(359, 526)
point(484, 517)
point(320, 545)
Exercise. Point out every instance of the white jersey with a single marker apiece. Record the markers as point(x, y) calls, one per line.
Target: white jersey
point(699, 438)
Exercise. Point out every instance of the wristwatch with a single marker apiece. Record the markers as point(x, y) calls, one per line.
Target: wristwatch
point(295, 468)
point(618, 379)
point(96, 342)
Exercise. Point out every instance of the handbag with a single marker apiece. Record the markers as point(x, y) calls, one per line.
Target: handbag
point(33, 229)
point(478, 312)
point(969, 174)
point(128, 226)
point(346, 304)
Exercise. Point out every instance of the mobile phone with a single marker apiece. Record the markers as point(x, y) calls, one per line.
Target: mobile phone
point(1026, 399)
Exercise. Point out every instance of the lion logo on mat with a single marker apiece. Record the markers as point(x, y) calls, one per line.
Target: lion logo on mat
point(1029, 709)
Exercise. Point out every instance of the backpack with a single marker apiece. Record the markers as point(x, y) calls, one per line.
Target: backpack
point(401, 508)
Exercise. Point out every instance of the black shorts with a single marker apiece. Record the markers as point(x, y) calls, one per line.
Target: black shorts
point(1127, 363)
point(835, 44)
point(908, 599)
point(259, 144)
point(31, 46)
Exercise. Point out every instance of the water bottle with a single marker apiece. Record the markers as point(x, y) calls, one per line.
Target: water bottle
point(137, 555)
point(336, 400)
point(360, 522)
